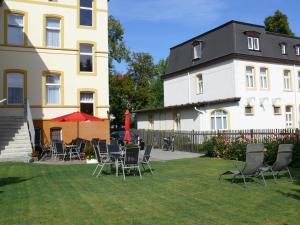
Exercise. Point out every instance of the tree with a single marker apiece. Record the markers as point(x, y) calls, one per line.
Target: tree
point(278, 23)
point(117, 47)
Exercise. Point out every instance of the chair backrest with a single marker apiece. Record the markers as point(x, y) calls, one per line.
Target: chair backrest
point(82, 147)
point(97, 154)
point(284, 157)
point(59, 147)
point(102, 147)
point(147, 153)
point(114, 142)
point(113, 148)
point(132, 156)
point(254, 158)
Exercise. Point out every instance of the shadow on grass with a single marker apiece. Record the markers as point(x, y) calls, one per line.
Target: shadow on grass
point(295, 195)
point(12, 180)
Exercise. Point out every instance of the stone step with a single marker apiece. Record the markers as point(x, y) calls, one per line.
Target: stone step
point(18, 145)
point(17, 137)
point(15, 158)
point(13, 132)
point(18, 119)
point(16, 152)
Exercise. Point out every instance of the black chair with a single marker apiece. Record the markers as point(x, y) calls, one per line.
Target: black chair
point(131, 160)
point(102, 148)
point(146, 157)
point(102, 161)
point(59, 149)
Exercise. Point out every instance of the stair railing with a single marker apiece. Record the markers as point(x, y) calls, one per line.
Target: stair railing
point(28, 117)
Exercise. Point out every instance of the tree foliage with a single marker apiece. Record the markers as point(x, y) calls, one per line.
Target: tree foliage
point(278, 23)
point(117, 47)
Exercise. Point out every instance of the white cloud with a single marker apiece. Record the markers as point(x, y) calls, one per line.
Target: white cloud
point(167, 10)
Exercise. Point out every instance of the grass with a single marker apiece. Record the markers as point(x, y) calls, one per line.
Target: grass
point(180, 192)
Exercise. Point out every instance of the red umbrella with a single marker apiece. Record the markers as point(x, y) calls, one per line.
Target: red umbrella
point(127, 126)
point(77, 117)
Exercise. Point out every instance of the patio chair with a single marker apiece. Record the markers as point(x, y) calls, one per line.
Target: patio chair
point(131, 160)
point(102, 148)
point(103, 160)
point(283, 160)
point(146, 157)
point(79, 150)
point(254, 161)
point(59, 149)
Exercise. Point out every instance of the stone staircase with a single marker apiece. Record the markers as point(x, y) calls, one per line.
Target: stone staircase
point(15, 145)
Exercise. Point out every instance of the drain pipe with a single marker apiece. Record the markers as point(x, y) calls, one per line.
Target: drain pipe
point(297, 125)
point(202, 113)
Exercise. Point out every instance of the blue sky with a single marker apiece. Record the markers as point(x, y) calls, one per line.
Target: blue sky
point(154, 26)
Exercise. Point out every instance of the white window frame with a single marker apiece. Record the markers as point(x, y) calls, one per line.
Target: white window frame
point(199, 83)
point(264, 79)
point(289, 116)
point(59, 129)
point(298, 78)
point(177, 121)
point(223, 116)
point(7, 92)
point(253, 43)
point(54, 29)
point(86, 8)
point(297, 50)
point(287, 83)
point(277, 107)
point(16, 26)
point(198, 50)
point(88, 102)
point(87, 54)
point(250, 77)
point(51, 84)
point(283, 49)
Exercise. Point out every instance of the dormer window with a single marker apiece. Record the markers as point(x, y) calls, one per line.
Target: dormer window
point(297, 48)
point(197, 47)
point(283, 48)
point(253, 43)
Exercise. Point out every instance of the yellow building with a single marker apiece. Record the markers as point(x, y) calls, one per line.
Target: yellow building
point(54, 54)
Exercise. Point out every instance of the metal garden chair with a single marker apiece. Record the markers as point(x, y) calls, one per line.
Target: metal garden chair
point(146, 157)
point(131, 160)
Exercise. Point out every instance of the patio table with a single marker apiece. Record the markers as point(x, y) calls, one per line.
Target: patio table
point(69, 149)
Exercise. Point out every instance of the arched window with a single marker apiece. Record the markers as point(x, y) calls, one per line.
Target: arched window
point(219, 120)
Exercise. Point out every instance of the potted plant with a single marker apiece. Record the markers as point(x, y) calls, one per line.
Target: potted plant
point(89, 155)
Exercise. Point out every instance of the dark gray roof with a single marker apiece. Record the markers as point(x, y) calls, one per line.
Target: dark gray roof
point(195, 104)
point(230, 40)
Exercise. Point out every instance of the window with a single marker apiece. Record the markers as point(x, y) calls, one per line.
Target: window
point(287, 80)
point(249, 110)
point(199, 83)
point(55, 134)
point(264, 83)
point(87, 102)
point(283, 49)
point(177, 121)
point(86, 57)
point(53, 90)
point(15, 29)
point(198, 50)
point(277, 110)
point(289, 116)
point(86, 12)
point(253, 43)
point(219, 120)
point(151, 122)
point(15, 88)
point(53, 32)
point(249, 77)
point(297, 50)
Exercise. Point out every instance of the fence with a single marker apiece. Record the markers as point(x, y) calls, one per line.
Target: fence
point(189, 141)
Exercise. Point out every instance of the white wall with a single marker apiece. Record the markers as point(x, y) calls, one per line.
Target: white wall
point(218, 83)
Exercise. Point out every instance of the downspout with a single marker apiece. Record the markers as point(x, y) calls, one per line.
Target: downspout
point(202, 113)
point(295, 97)
point(189, 76)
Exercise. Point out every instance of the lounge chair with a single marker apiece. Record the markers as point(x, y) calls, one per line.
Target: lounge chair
point(254, 161)
point(131, 160)
point(146, 157)
point(283, 160)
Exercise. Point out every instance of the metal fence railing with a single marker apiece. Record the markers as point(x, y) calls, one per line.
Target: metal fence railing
point(190, 140)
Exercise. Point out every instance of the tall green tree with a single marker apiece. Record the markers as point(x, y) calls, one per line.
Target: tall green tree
point(117, 49)
point(278, 23)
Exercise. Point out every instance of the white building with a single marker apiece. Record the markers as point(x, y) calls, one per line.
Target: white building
point(236, 76)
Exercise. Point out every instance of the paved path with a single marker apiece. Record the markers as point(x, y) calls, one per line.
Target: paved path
point(159, 155)
point(156, 155)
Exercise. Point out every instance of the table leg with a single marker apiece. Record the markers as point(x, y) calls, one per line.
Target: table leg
point(117, 167)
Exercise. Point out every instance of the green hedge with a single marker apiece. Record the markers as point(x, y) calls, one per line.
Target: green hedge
point(235, 149)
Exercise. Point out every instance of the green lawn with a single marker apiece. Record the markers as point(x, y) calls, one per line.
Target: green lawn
point(180, 192)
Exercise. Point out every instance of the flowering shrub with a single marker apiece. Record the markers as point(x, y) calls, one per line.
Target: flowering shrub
point(234, 148)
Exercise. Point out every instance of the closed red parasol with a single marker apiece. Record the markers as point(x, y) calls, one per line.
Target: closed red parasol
point(127, 126)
